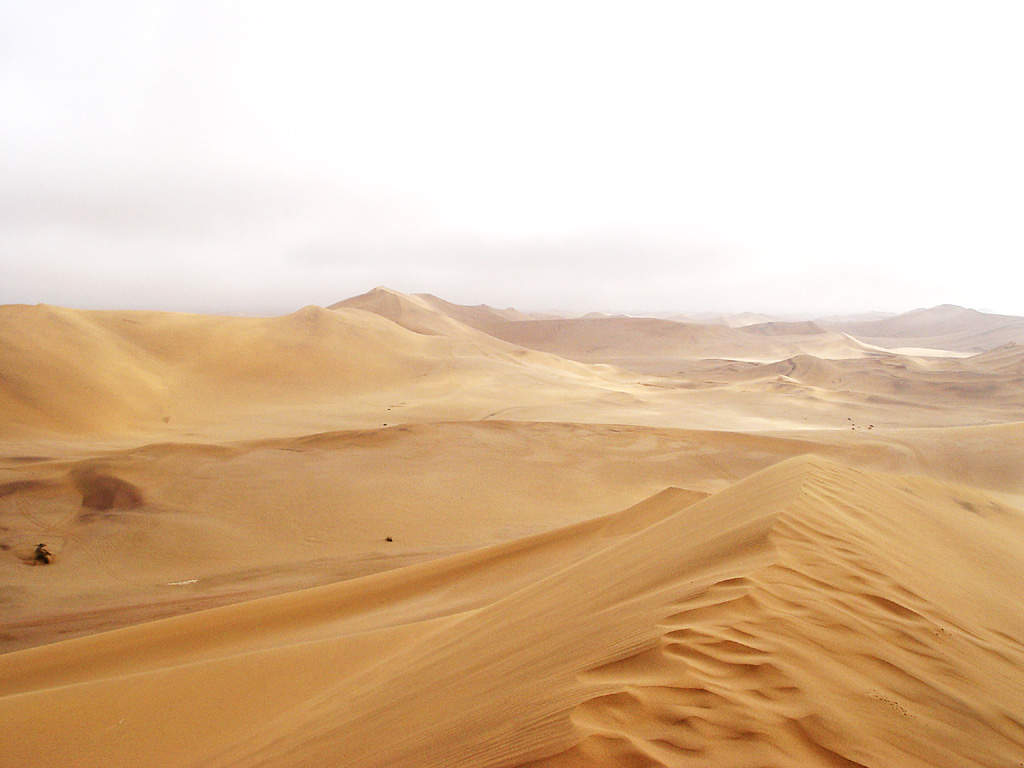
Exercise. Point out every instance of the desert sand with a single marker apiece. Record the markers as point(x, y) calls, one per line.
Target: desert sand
point(405, 532)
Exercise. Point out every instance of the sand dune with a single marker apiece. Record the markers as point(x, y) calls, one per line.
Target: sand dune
point(1005, 359)
point(63, 371)
point(644, 344)
point(410, 312)
point(402, 531)
point(791, 620)
point(189, 377)
point(944, 327)
point(221, 523)
point(426, 313)
point(985, 385)
point(111, 373)
point(651, 345)
point(481, 316)
point(942, 320)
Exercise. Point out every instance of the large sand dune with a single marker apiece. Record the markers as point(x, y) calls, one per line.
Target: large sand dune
point(111, 373)
point(944, 327)
point(402, 531)
point(809, 615)
point(172, 527)
point(644, 344)
point(652, 345)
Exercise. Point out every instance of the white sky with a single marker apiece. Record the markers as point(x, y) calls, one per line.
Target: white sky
point(771, 156)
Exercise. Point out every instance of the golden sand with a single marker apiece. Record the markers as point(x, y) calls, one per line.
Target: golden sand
point(403, 532)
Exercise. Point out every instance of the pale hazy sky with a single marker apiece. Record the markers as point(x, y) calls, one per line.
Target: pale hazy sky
point(781, 156)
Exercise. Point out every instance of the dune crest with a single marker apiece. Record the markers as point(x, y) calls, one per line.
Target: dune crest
point(401, 532)
point(131, 373)
point(809, 615)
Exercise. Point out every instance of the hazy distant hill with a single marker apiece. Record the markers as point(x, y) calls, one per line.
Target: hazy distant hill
point(946, 326)
point(733, 320)
point(410, 312)
point(799, 328)
point(475, 316)
point(647, 344)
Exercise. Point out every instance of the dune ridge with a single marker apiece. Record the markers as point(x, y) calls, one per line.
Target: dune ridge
point(405, 532)
point(788, 620)
point(110, 373)
point(131, 376)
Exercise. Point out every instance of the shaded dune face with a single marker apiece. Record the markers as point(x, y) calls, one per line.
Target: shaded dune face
point(809, 615)
point(103, 492)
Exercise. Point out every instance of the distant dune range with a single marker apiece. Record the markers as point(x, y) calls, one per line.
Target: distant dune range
point(633, 342)
point(115, 372)
point(405, 532)
point(166, 376)
point(655, 345)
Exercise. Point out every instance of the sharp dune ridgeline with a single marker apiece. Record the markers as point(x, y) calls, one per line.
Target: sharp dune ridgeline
point(401, 531)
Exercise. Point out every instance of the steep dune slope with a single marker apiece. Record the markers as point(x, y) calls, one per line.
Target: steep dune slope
point(428, 314)
point(481, 316)
point(60, 369)
point(809, 615)
point(118, 372)
point(410, 312)
point(109, 371)
point(852, 647)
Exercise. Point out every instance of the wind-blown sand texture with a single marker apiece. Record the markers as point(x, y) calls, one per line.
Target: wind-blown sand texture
point(379, 535)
